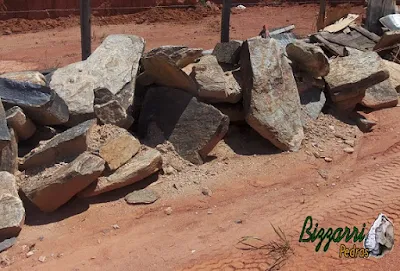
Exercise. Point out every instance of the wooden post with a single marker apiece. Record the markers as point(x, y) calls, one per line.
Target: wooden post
point(225, 20)
point(86, 38)
point(321, 15)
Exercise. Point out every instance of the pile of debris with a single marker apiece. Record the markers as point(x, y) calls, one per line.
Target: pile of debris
point(110, 121)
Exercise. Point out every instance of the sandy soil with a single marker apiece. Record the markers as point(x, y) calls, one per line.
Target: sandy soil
point(253, 186)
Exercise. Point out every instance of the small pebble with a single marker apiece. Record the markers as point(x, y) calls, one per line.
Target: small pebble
point(350, 142)
point(115, 227)
point(29, 254)
point(206, 191)
point(209, 212)
point(348, 150)
point(168, 211)
point(239, 221)
point(327, 159)
point(42, 259)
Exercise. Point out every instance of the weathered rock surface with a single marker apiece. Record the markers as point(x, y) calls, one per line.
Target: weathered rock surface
point(12, 212)
point(144, 196)
point(351, 76)
point(270, 95)
point(228, 52)
point(308, 57)
point(40, 103)
point(214, 85)
point(70, 143)
point(165, 73)
point(113, 113)
point(4, 132)
point(55, 186)
point(119, 150)
point(180, 55)
point(33, 77)
point(21, 124)
point(177, 115)
point(113, 65)
point(312, 101)
point(142, 165)
point(382, 95)
point(394, 71)
point(9, 155)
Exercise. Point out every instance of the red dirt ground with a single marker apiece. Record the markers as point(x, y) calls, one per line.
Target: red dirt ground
point(249, 192)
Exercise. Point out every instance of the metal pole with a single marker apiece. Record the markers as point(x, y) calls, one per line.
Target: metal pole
point(226, 14)
point(85, 28)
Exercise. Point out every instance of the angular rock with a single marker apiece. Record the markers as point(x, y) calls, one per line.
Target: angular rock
point(113, 113)
point(9, 155)
point(39, 103)
point(177, 114)
point(312, 101)
point(32, 77)
point(21, 124)
point(70, 143)
point(308, 57)
point(12, 212)
point(228, 52)
point(119, 150)
point(351, 76)
point(6, 244)
point(382, 95)
point(144, 196)
point(180, 55)
point(165, 73)
point(113, 65)
point(271, 103)
point(142, 165)
point(394, 71)
point(55, 186)
point(214, 85)
point(4, 132)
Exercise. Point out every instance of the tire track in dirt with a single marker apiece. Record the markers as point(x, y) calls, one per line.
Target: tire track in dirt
point(360, 202)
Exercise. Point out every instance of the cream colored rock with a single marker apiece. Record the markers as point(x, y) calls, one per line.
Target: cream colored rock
point(26, 76)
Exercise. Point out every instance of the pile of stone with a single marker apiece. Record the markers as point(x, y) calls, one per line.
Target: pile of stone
point(95, 126)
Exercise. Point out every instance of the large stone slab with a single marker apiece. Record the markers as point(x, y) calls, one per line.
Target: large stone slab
point(228, 52)
point(70, 143)
point(113, 65)
point(33, 77)
point(308, 57)
point(180, 55)
point(215, 86)
point(4, 132)
point(351, 76)
point(55, 186)
point(40, 103)
point(9, 155)
point(142, 165)
point(12, 212)
point(165, 73)
point(194, 128)
point(270, 95)
point(21, 124)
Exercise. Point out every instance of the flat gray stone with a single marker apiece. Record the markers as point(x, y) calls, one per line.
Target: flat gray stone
point(165, 73)
point(21, 124)
point(270, 95)
point(142, 165)
point(144, 196)
point(55, 186)
point(9, 155)
point(12, 212)
point(68, 144)
point(4, 132)
point(113, 65)
point(6, 244)
point(308, 57)
point(176, 114)
point(40, 103)
point(312, 101)
point(228, 52)
point(215, 86)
